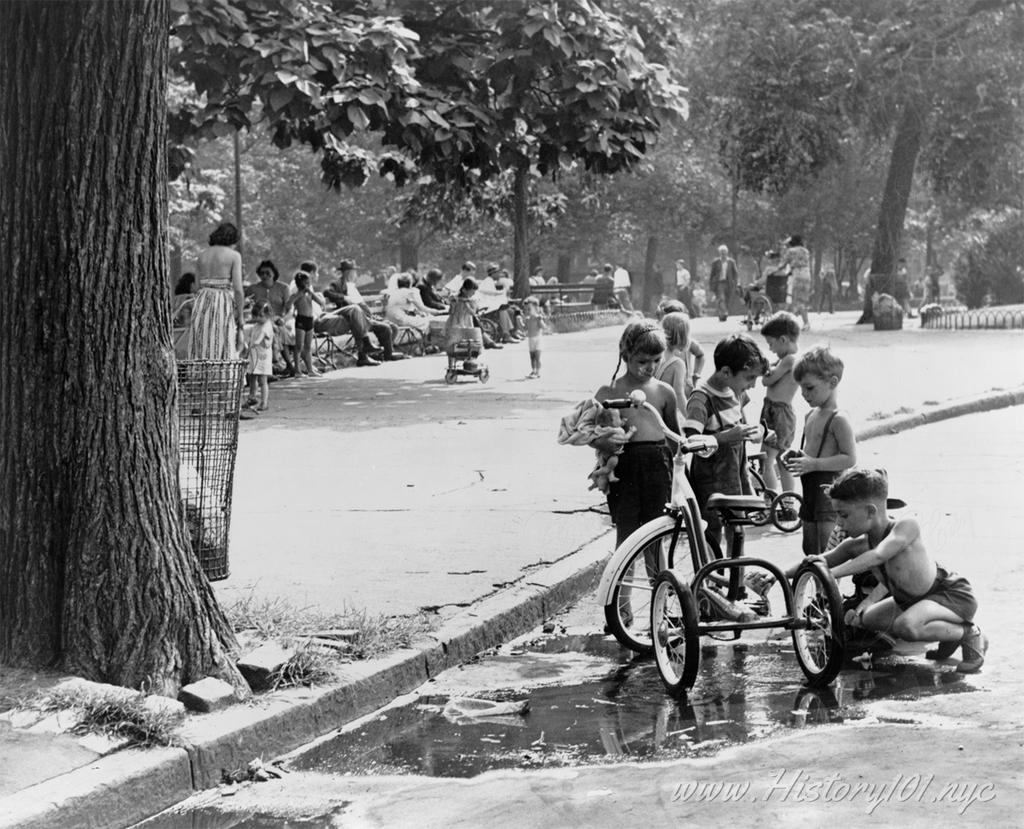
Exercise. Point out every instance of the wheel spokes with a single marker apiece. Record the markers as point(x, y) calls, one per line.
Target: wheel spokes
point(813, 610)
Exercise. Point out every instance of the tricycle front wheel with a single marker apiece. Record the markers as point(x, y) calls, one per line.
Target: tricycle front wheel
point(818, 641)
point(674, 633)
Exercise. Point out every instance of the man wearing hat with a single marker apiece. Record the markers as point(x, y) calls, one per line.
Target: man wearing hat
point(494, 304)
point(352, 316)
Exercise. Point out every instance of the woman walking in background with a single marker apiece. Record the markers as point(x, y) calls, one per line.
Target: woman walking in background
point(798, 259)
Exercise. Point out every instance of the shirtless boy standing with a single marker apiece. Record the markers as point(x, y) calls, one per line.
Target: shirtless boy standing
point(782, 333)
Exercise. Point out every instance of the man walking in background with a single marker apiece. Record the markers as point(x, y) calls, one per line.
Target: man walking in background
point(683, 292)
point(723, 280)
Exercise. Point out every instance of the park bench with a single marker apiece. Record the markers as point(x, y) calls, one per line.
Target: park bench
point(564, 297)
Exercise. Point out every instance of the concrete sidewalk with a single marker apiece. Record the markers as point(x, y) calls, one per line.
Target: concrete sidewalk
point(387, 490)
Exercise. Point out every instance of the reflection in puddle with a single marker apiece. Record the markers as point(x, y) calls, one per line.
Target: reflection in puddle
point(743, 693)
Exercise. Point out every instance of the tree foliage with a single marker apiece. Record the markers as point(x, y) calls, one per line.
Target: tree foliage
point(991, 266)
point(456, 93)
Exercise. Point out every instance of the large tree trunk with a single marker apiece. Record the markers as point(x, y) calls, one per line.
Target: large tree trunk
point(96, 571)
point(893, 209)
point(649, 279)
point(521, 229)
point(409, 249)
point(563, 268)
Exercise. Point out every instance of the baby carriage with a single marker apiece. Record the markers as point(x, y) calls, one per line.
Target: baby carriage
point(759, 307)
point(465, 356)
point(776, 285)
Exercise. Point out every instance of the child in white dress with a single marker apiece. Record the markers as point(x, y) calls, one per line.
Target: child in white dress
point(259, 352)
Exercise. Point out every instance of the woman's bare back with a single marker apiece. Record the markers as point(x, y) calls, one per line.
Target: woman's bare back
point(218, 265)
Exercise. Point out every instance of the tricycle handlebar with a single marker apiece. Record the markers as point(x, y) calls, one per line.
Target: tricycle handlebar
point(702, 445)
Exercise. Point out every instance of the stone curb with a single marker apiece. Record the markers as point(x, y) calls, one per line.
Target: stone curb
point(117, 790)
point(988, 401)
point(130, 786)
point(228, 740)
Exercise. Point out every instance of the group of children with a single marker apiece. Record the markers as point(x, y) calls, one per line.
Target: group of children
point(914, 598)
point(463, 318)
point(258, 341)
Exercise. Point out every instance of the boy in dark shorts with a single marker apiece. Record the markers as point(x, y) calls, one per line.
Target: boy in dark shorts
point(782, 333)
point(828, 446)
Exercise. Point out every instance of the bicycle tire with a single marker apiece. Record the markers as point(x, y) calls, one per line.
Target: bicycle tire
point(490, 328)
point(816, 599)
point(792, 501)
point(628, 612)
point(675, 637)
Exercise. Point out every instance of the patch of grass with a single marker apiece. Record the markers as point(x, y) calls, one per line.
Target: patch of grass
point(279, 620)
point(122, 716)
point(309, 666)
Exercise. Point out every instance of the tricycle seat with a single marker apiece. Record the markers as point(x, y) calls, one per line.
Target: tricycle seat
point(741, 502)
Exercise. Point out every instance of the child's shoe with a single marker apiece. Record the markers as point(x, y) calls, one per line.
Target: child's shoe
point(972, 649)
point(943, 650)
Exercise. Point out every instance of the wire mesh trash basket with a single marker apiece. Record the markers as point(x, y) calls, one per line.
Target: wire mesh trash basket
point(209, 403)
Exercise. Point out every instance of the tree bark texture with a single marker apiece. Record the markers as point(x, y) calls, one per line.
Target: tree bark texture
point(893, 210)
point(96, 572)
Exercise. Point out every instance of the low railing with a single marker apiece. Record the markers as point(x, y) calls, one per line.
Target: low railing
point(582, 320)
point(979, 318)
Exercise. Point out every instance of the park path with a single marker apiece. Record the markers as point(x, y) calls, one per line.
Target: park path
point(385, 489)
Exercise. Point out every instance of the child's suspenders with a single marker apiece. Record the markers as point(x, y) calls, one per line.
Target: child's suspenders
point(824, 434)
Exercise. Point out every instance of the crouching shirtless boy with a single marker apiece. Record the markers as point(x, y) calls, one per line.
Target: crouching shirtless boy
point(925, 603)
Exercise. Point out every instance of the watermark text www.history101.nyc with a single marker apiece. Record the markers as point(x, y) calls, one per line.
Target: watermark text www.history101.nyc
point(801, 786)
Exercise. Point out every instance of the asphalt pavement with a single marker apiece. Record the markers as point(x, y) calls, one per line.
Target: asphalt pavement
point(387, 490)
point(939, 759)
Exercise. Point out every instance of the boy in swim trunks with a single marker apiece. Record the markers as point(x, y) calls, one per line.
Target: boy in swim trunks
point(925, 601)
point(782, 333)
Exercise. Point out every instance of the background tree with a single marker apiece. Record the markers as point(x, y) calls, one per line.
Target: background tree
point(97, 574)
point(459, 93)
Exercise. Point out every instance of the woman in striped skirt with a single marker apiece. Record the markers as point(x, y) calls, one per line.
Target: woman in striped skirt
point(217, 316)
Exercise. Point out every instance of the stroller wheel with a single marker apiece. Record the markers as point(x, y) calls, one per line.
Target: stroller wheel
point(449, 376)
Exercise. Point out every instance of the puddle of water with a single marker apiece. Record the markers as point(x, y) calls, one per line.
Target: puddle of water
point(743, 693)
